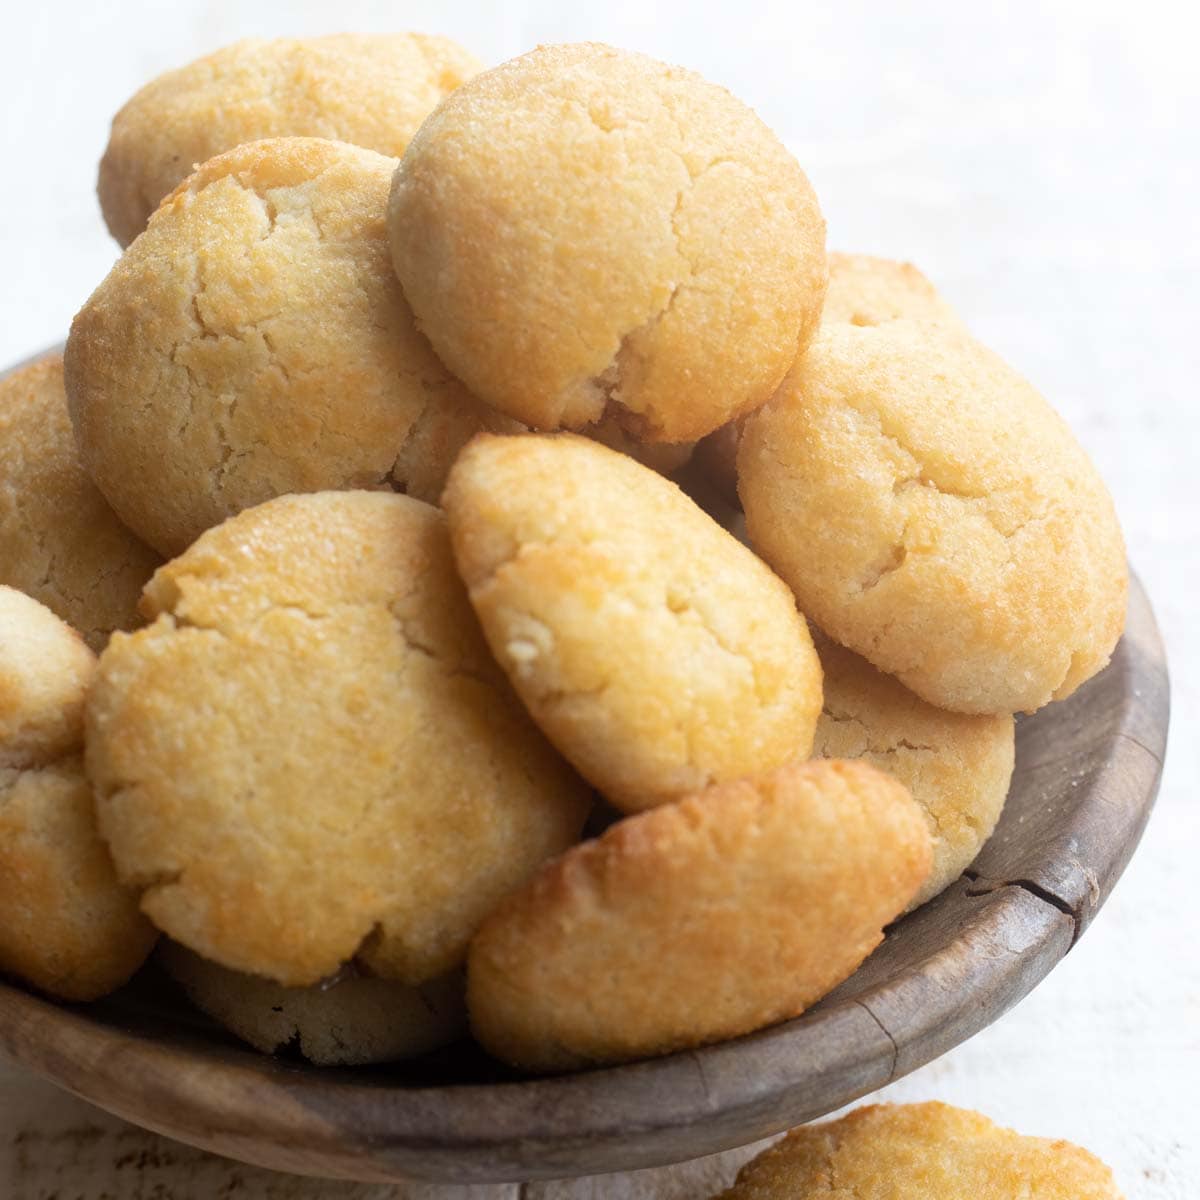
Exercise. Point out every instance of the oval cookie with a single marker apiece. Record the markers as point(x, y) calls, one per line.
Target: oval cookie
point(657, 652)
point(585, 232)
point(697, 921)
point(373, 90)
point(310, 755)
point(957, 766)
point(933, 513)
point(254, 342)
point(917, 1152)
point(60, 542)
point(352, 1019)
point(66, 926)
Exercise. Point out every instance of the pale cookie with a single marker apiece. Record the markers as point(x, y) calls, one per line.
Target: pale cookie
point(656, 651)
point(920, 1152)
point(373, 90)
point(45, 671)
point(60, 542)
point(254, 341)
point(66, 926)
point(586, 232)
point(350, 1020)
point(956, 766)
point(933, 513)
point(310, 755)
point(697, 921)
point(863, 290)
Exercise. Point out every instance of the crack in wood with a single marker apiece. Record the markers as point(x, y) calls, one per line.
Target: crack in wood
point(988, 885)
point(887, 1034)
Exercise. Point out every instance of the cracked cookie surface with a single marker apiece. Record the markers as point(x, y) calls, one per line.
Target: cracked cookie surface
point(934, 514)
point(863, 290)
point(957, 766)
point(697, 921)
point(920, 1152)
point(372, 90)
point(66, 925)
point(60, 542)
point(310, 755)
point(656, 651)
point(349, 1020)
point(585, 232)
point(254, 342)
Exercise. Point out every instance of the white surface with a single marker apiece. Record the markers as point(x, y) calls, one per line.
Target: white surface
point(1041, 163)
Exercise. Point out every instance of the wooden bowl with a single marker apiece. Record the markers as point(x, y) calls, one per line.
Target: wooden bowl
point(1086, 776)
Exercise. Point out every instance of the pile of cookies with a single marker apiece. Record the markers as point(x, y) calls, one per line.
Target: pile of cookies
point(451, 454)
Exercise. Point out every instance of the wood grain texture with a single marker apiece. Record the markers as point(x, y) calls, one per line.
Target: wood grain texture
point(1087, 773)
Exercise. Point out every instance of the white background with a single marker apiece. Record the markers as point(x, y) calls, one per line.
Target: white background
point(1042, 164)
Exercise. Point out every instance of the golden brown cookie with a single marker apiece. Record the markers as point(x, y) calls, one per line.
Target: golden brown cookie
point(59, 540)
point(66, 926)
point(697, 921)
point(373, 90)
point(920, 1152)
point(586, 232)
point(865, 290)
point(657, 652)
point(255, 342)
point(933, 513)
point(349, 1020)
point(957, 766)
point(310, 754)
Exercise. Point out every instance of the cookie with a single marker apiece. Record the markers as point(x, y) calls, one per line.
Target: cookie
point(863, 290)
point(585, 232)
point(254, 342)
point(373, 90)
point(350, 1020)
point(66, 926)
point(697, 921)
point(916, 1152)
point(956, 766)
point(656, 652)
point(310, 755)
point(60, 542)
point(934, 514)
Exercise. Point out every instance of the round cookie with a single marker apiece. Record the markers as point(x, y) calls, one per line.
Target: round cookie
point(697, 921)
point(310, 755)
point(351, 1020)
point(253, 342)
point(60, 542)
point(586, 232)
point(66, 926)
point(934, 514)
point(656, 651)
point(373, 90)
point(957, 766)
point(863, 290)
point(919, 1151)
